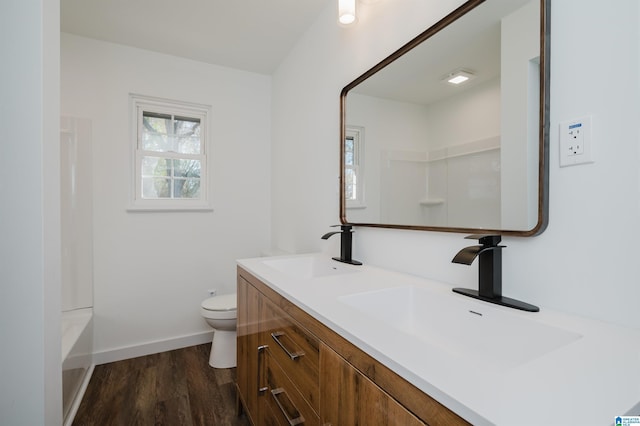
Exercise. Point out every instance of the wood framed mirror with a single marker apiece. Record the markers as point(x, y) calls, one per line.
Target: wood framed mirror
point(420, 152)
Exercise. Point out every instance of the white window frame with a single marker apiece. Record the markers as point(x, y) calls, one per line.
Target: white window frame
point(357, 133)
point(139, 104)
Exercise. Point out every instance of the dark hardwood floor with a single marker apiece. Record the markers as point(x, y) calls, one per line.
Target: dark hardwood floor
point(169, 388)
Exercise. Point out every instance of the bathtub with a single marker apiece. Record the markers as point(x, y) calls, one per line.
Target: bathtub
point(77, 359)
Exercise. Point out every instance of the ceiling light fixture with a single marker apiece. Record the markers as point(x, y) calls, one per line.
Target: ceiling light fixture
point(458, 76)
point(346, 12)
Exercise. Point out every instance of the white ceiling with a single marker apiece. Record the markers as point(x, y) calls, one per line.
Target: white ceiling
point(251, 35)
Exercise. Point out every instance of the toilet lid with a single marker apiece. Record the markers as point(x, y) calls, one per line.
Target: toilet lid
point(226, 302)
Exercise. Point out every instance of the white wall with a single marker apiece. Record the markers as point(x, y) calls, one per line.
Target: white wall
point(152, 270)
point(586, 260)
point(30, 358)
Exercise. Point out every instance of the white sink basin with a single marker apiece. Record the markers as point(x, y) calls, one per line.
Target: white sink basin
point(475, 332)
point(307, 267)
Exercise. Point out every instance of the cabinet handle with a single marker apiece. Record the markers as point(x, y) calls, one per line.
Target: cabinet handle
point(293, 355)
point(292, 421)
point(261, 389)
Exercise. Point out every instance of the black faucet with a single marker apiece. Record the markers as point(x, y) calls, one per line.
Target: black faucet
point(489, 272)
point(345, 244)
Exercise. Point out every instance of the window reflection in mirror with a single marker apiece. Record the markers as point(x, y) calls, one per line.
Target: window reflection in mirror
point(354, 167)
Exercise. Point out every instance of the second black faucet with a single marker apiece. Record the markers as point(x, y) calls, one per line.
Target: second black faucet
point(345, 244)
point(489, 272)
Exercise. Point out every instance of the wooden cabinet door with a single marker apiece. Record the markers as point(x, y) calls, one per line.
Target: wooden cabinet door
point(248, 353)
point(347, 397)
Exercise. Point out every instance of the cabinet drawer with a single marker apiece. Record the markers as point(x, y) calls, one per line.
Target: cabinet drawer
point(285, 403)
point(296, 351)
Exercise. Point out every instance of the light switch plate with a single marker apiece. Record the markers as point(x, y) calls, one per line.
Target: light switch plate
point(575, 142)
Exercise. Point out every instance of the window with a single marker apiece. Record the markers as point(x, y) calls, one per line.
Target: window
point(353, 167)
point(170, 152)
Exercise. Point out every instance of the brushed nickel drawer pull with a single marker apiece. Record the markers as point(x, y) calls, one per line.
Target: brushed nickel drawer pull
point(292, 421)
point(261, 389)
point(293, 355)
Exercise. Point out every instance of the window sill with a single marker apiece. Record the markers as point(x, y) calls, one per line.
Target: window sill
point(151, 207)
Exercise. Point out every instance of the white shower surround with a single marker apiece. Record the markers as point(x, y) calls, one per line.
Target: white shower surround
point(76, 218)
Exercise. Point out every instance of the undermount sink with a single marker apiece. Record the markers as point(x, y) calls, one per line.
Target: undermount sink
point(307, 267)
point(478, 334)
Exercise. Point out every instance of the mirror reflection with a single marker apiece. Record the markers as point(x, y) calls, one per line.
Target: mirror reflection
point(451, 134)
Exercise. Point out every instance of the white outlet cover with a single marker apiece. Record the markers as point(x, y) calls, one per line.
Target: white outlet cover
point(575, 142)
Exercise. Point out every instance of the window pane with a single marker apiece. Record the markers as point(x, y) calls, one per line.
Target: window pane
point(350, 184)
point(189, 145)
point(155, 187)
point(186, 188)
point(156, 142)
point(188, 135)
point(348, 158)
point(186, 168)
point(348, 144)
point(349, 151)
point(154, 166)
point(184, 126)
point(154, 122)
point(155, 131)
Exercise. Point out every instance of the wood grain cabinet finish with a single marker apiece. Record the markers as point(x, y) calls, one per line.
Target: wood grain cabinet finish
point(248, 341)
point(278, 363)
point(284, 398)
point(292, 370)
point(295, 349)
point(348, 397)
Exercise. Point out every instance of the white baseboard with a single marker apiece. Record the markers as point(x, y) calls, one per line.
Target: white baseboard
point(149, 348)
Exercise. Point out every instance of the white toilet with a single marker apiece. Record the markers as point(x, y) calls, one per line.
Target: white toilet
point(220, 312)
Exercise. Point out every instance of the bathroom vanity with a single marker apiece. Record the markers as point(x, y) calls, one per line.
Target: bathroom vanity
point(326, 343)
point(292, 367)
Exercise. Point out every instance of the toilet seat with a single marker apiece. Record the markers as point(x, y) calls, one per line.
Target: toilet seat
point(220, 307)
point(226, 302)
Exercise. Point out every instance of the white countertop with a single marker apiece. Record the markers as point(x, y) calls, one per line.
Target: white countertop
point(589, 381)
